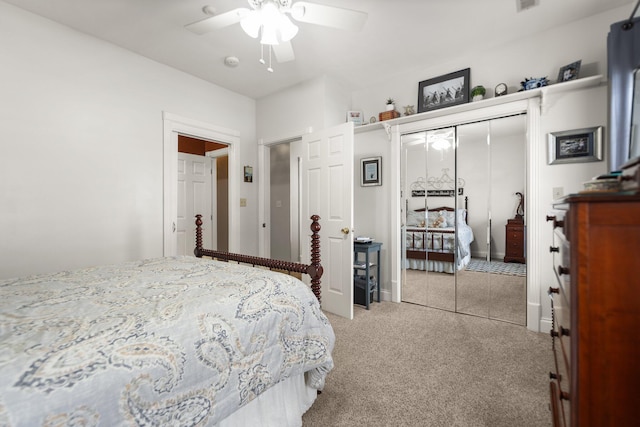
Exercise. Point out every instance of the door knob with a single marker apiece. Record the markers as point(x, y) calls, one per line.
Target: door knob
point(345, 230)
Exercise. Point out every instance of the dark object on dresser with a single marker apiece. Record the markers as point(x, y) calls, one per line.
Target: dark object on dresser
point(514, 245)
point(630, 176)
point(596, 311)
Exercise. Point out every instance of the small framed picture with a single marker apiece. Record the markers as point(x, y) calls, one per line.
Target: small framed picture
point(248, 174)
point(444, 91)
point(371, 171)
point(569, 72)
point(355, 117)
point(575, 146)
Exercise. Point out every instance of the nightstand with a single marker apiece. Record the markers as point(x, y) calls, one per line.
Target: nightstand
point(362, 264)
point(515, 247)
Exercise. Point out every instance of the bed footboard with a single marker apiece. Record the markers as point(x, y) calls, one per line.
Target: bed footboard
point(314, 270)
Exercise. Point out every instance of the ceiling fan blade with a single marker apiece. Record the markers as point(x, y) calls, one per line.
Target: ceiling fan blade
point(283, 52)
point(217, 21)
point(329, 16)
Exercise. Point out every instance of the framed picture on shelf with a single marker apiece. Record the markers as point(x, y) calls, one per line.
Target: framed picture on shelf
point(371, 171)
point(569, 72)
point(575, 146)
point(355, 117)
point(444, 91)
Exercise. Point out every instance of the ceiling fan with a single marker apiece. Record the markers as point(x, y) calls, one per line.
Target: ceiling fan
point(270, 20)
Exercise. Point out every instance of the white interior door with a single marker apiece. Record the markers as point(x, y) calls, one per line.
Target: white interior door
point(327, 190)
point(194, 197)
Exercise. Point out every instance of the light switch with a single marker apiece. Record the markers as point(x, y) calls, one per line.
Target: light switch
point(558, 192)
point(243, 202)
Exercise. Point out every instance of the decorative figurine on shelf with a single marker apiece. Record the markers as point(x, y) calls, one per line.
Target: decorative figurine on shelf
point(520, 208)
point(409, 110)
point(391, 104)
point(532, 83)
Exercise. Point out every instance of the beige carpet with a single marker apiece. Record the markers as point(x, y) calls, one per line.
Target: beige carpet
point(408, 365)
point(496, 296)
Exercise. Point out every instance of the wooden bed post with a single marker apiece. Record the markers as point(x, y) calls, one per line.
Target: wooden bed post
point(316, 269)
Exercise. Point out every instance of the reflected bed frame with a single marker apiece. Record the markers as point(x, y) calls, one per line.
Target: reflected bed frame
point(427, 235)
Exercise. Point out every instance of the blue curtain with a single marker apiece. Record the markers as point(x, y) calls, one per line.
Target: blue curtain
point(623, 58)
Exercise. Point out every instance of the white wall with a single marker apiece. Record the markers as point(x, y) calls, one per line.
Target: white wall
point(575, 110)
point(81, 165)
point(313, 105)
point(538, 56)
point(371, 208)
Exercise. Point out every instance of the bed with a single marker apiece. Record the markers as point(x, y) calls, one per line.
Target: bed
point(166, 341)
point(430, 239)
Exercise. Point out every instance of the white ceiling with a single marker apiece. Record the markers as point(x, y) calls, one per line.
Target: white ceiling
point(399, 34)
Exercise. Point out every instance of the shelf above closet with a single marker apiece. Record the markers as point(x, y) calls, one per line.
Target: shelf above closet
point(542, 92)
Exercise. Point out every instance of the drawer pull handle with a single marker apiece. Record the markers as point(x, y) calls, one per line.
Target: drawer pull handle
point(564, 332)
point(562, 270)
point(553, 376)
point(553, 249)
point(556, 223)
point(564, 395)
point(553, 290)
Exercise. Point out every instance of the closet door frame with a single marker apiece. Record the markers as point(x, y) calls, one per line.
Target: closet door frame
point(534, 146)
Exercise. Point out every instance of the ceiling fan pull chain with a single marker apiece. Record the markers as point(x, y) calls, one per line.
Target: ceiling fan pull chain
point(270, 50)
point(262, 54)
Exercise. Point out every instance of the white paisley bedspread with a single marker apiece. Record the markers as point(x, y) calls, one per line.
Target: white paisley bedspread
point(161, 342)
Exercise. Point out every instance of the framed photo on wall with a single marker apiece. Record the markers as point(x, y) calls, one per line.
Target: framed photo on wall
point(371, 171)
point(248, 174)
point(575, 146)
point(444, 91)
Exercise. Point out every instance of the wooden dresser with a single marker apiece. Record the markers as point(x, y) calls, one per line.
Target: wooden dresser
point(514, 241)
point(596, 310)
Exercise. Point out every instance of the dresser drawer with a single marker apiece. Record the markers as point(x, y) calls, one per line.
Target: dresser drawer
point(515, 248)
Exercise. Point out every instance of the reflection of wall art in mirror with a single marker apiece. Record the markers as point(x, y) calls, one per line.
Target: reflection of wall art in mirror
point(444, 91)
point(575, 146)
point(569, 72)
point(248, 174)
point(371, 171)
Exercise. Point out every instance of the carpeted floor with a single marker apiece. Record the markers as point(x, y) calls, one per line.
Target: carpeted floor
point(408, 365)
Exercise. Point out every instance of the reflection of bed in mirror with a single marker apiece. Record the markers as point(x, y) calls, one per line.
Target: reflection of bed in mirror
point(430, 239)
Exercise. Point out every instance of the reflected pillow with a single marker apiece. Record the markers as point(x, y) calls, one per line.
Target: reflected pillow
point(415, 219)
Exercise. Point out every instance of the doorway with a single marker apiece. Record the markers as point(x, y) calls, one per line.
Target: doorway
point(279, 200)
point(173, 126)
point(461, 186)
point(202, 189)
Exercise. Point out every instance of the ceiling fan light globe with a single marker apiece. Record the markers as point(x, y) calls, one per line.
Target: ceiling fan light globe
point(251, 24)
point(269, 35)
point(288, 29)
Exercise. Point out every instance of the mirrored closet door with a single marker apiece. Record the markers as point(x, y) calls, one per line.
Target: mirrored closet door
point(463, 195)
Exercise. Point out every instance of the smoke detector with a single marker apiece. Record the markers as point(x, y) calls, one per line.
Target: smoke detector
point(231, 61)
point(526, 4)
